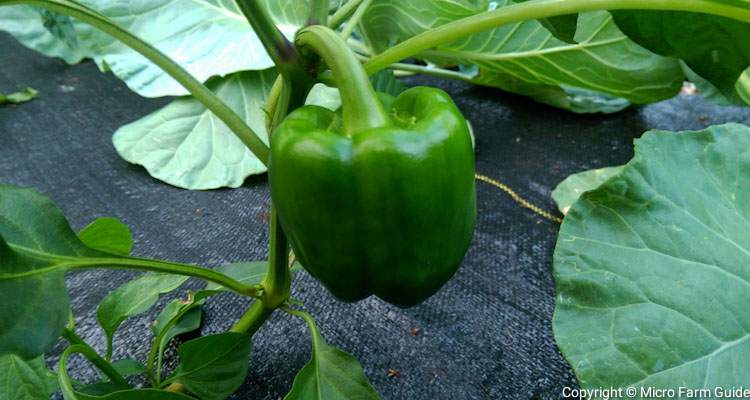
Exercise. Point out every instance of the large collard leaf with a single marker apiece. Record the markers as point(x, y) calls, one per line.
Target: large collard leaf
point(571, 98)
point(49, 33)
point(570, 190)
point(36, 246)
point(563, 26)
point(23, 379)
point(207, 37)
point(706, 89)
point(653, 267)
point(213, 367)
point(186, 145)
point(524, 56)
point(711, 46)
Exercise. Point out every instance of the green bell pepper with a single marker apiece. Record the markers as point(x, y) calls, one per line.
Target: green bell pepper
point(374, 202)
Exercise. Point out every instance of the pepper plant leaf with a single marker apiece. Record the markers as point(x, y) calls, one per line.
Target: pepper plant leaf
point(708, 44)
point(570, 189)
point(22, 96)
point(133, 298)
point(653, 267)
point(23, 379)
point(36, 246)
point(529, 54)
point(108, 234)
point(213, 367)
point(248, 272)
point(186, 145)
point(101, 392)
point(331, 374)
point(187, 322)
point(204, 36)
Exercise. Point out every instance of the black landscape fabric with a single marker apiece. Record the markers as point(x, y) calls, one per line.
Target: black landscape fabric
point(486, 335)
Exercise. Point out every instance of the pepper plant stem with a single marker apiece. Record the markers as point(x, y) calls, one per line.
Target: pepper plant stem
point(361, 108)
point(538, 9)
point(201, 93)
point(343, 13)
point(285, 56)
point(167, 267)
point(78, 345)
point(439, 72)
point(354, 20)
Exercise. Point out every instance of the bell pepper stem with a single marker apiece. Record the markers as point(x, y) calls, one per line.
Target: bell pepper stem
point(361, 108)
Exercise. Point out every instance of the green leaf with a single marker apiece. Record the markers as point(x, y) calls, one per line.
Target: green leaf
point(133, 298)
point(22, 96)
point(213, 367)
point(187, 322)
point(743, 86)
point(331, 374)
point(708, 44)
point(582, 101)
point(570, 189)
point(186, 145)
point(526, 54)
point(129, 367)
point(563, 26)
point(248, 272)
point(23, 379)
point(36, 246)
point(324, 96)
point(653, 267)
point(108, 234)
point(49, 33)
point(203, 36)
point(385, 82)
point(711, 93)
point(126, 367)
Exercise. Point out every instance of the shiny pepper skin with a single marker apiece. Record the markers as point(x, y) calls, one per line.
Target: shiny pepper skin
point(388, 210)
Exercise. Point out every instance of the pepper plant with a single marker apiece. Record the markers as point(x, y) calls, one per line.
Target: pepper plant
point(407, 159)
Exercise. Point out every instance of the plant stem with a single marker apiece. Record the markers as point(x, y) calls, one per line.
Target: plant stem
point(170, 268)
point(318, 13)
point(538, 9)
point(281, 51)
point(252, 319)
point(201, 93)
point(361, 108)
point(343, 13)
point(276, 285)
point(354, 20)
point(78, 345)
point(434, 71)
